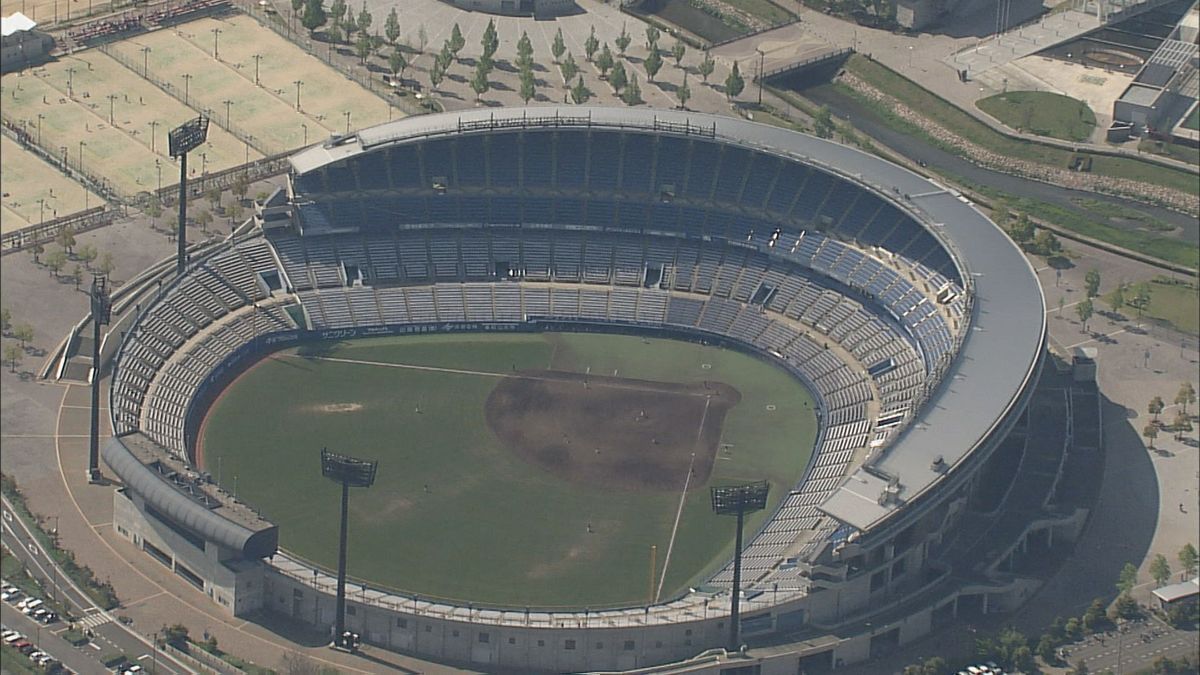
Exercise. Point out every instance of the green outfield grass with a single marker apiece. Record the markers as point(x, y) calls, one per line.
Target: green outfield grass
point(492, 528)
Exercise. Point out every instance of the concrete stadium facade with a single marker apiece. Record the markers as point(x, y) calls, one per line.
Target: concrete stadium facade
point(861, 577)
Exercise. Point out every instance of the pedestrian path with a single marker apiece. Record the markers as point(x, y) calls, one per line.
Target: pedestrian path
point(93, 620)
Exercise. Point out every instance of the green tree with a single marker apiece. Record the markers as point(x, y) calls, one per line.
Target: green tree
point(1185, 396)
point(652, 35)
point(490, 40)
point(56, 260)
point(707, 66)
point(1081, 668)
point(5, 319)
point(107, 264)
point(524, 47)
point(653, 64)
point(1047, 650)
point(684, 92)
point(677, 51)
point(334, 33)
point(23, 332)
point(1022, 230)
point(1155, 407)
point(445, 57)
point(1116, 298)
point(823, 125)
point(618, 79)
point(436, 73)
point(1073, 629)
point(203, 219)
point(391, 26)
point(1046, 244)
point(580, 93)
point(559, 47)
point(569, 68)
point(297, 5)
point(1141, 299)
point(456, 41)
point(37, 251)
point(77, 275)
point(528, 86)
point(1160, 570)
point(1188, 559)
point(314, 16)
point(479, 83)
point(1021, 658)
point(13, 354)
point(633, 92)
point(1084, 310)
point(422, 38)
point(87, 253)
point(734, 84)
point(604, 61)
point(590, 45)
point(1182, 424)
point(622, 41)
point(397, 62)
point(1091, 282)
point(365, 19)
point(362, 48)
point(1128, 579)
point(1126, 607)
point(1150, 431)
point(65, 239)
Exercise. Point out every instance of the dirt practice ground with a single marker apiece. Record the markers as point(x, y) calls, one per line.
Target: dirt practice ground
point(26, 180)
point(611, 432)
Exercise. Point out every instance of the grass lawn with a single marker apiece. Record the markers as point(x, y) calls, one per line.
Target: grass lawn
point(1175, 303)
point(491, 528)
point(973, 130)
point(763, 9)
point(1042, 113)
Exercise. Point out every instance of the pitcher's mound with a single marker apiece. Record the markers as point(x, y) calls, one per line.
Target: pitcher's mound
point(611, 432)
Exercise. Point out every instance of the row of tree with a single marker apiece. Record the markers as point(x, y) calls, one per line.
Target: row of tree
point(22, 332)
point(1182, 423)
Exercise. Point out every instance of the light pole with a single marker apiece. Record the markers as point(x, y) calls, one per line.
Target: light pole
point(305, 128)
point(761, 57)
point(249, 137)
point(41, 210)
point(81, 144)
point(257, 58)
point(203, 163)
point(347, 114)
point(350, 472)
point(215, 32)
point(40, 118)
point(101, 314)
point(187, 81)
point(111, 100)
point(228, 103)
point(153, 128)
point(158, 165)
point(187, 136)
point(145, 60)
point(738, 500)
point(70, 77)
point(298, 84)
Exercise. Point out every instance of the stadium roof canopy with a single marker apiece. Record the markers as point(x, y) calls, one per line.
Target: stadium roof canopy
point(15, 23)
point(1000, 354)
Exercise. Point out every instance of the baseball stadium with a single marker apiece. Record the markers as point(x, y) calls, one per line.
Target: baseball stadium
point(557, 330)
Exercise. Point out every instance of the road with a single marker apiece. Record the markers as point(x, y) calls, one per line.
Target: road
point(1138, 646)
point(108, 635)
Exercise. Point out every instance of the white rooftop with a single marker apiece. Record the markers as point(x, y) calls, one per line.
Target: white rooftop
point(16, 23)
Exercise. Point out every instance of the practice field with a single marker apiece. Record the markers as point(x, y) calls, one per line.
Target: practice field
point(515, 469)
point(25, 179)
point(122, 152)
point(266, 111)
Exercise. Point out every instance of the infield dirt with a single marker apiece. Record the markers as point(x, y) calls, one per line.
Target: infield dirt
point(611, 432)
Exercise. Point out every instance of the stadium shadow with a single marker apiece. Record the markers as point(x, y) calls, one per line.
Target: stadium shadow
point(1119, 530)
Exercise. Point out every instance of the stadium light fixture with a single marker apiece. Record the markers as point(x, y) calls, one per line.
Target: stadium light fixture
point(101, 315)
point(738, 500)
point(350, 472)
point(182, 139)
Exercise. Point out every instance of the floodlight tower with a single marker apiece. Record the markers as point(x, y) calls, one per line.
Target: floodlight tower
point(101, 315)
point(738, 500)
point(183, 138)
point(350, 472)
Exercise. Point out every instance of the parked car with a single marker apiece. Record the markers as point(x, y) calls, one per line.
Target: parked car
point(13, 637)
point(11, 595)
point(30, 605)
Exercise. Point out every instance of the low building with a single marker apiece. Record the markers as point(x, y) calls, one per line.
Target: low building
point(21, 44)
point(1178, 595)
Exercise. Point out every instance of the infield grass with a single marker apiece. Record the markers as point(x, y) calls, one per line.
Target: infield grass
point(454, 513)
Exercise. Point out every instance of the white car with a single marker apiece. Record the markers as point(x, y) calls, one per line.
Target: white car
point(12, 637)
point(11, 595)
point(30, 604)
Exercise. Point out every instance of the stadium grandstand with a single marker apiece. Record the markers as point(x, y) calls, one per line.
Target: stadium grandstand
point(917, 325)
